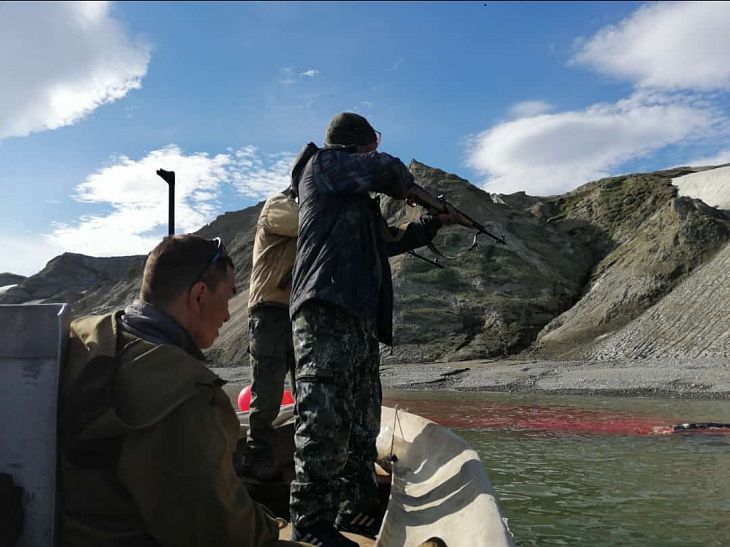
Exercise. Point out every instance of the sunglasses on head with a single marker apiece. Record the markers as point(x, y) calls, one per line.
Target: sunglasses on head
point(220, 253)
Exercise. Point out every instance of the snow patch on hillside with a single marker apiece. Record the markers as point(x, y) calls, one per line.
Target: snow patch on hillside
point(711, 186)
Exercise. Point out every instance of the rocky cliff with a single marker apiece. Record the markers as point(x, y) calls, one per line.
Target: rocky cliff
point(618, 267)
point(491, 300)
point(7, 279)
point(74, 278)
point(646, 241)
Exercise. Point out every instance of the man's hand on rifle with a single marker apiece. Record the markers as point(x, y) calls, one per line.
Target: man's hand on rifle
point(450, 217)
point(447, 213)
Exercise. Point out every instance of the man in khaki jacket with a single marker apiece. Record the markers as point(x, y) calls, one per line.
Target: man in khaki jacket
point(147, 435)
point(269, 328)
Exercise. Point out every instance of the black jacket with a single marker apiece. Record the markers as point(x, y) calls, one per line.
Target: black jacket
point(344, 243)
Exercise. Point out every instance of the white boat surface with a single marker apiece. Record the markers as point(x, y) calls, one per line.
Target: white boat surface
point(437, 487)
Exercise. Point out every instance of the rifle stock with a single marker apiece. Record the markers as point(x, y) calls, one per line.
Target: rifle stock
point(439, 205)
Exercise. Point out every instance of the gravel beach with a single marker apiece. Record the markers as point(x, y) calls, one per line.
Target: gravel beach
point(666, 378)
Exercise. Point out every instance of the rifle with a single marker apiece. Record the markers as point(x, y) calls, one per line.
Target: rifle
point(439, 205)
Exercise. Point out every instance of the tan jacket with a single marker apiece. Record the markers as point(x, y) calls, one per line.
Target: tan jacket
point(157, 467)
point(274, 251)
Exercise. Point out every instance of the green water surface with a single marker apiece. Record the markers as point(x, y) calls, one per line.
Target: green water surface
point(562, 481)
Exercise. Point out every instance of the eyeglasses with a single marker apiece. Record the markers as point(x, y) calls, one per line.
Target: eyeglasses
point(378, 136)
point(220, 253)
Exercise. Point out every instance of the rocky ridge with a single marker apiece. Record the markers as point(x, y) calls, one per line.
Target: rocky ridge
point(72, 278)
point(647, 241)
point(7, 279)
point(591, 274)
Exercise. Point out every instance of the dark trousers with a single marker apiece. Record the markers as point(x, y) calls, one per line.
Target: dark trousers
point(271, 357)
point(337, 414)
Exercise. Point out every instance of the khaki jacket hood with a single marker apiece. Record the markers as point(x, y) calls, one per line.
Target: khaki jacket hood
point(151, 382)
point(274, 251)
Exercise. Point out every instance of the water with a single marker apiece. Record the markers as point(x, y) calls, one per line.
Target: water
point(595, 471)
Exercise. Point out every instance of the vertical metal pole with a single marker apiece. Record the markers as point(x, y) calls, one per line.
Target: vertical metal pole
point(169, 178)
point(171, 207)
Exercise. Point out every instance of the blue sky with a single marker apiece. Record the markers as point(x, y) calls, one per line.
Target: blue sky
point(533, 96)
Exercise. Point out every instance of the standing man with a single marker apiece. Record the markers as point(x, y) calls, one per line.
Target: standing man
point(341, 309)
point(269, 329)
point(147, 435)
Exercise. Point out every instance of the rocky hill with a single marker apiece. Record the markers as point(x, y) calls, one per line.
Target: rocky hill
point(10, 279)
point(647, 241)
point(602, 272)
point(74, 278)
point(492, 300)
point(690, 321)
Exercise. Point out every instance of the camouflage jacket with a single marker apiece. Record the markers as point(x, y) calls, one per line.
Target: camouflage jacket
point(344, 243)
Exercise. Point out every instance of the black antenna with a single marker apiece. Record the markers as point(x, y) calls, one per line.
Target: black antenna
point(169, 178)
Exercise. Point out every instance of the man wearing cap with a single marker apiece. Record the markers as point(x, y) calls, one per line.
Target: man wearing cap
point(341, 308)
point(147, 435)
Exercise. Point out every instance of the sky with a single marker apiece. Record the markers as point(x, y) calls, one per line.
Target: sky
point(539, 97)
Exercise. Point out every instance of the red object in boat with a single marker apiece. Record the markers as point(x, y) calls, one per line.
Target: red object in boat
point(287, 398)
point(244, 398)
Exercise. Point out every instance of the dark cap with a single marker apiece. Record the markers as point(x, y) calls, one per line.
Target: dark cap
point(348, 128)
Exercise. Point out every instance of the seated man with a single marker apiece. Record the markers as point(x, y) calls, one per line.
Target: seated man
point(147, 435)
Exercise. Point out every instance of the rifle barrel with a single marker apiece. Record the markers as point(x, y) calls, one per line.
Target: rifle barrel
point(439, 204)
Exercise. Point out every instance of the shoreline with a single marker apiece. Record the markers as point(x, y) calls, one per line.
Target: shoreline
point(669, 378)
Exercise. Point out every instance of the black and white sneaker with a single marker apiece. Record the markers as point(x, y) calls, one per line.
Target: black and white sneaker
point(321, 535)
point(362, 523)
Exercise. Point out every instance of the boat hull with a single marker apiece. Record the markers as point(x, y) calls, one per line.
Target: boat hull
point(432, 483)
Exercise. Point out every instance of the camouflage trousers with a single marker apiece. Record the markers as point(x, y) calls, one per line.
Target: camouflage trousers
point(337, 414)
point(271, 357)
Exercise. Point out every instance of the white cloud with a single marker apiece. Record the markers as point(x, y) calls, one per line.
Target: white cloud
point(396, 64)
point(25, 255)
point(363, 108)
point(553, 153)
point(718, 158)
point(288, 75)
point(674, 53)
point(260, 179)
point(62, 60)
point(526, 109)
point(669, 45)
point(138, 198)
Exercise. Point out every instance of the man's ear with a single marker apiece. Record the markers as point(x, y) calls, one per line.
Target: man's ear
point(195, 295)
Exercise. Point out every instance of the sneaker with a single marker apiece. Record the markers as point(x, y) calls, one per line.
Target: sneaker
point(262, 470)
point(321, 535)
point(363, 523)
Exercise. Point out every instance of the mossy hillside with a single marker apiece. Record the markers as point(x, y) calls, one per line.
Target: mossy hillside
point(607, 212)
point(488, 301)
point(657, 241)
